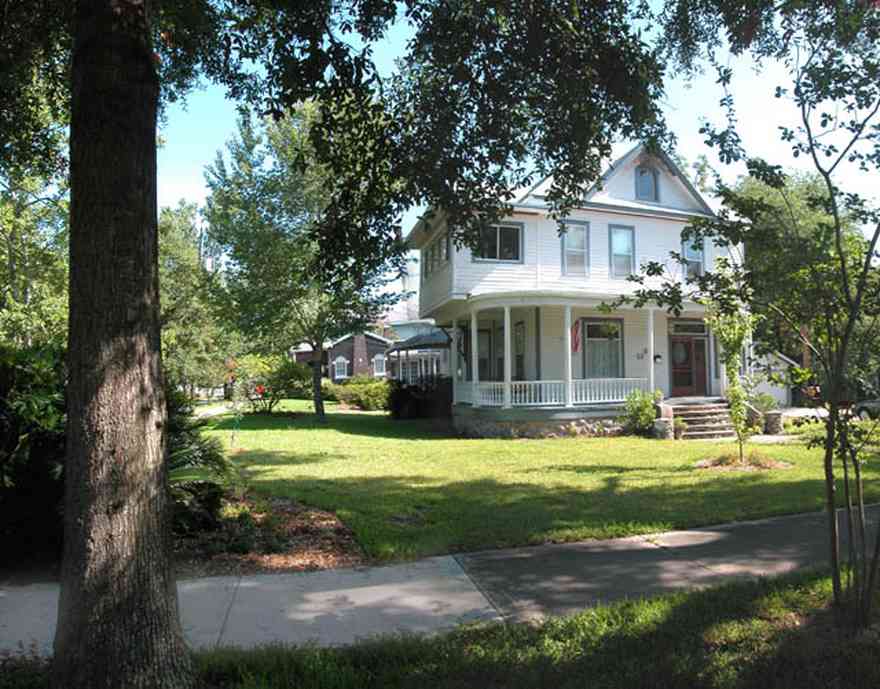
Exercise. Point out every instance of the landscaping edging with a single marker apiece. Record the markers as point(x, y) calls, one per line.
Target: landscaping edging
point(482, 422)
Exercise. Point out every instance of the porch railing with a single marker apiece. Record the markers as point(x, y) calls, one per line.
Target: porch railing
point(550, 393)
point(536, 393)
point(593, 390)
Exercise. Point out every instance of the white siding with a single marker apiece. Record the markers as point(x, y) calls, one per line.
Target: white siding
point(621, 186)
point(541, 267)
point(437, 286)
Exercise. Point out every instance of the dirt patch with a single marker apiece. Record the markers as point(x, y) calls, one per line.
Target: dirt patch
point(754, 461)
point(268, 537)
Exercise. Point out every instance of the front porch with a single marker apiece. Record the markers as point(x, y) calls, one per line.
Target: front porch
point(513, 353)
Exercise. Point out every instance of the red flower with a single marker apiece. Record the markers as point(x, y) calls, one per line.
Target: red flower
point(261, 390)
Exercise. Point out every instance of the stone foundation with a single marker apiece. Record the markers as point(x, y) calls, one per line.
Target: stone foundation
point(535, 423)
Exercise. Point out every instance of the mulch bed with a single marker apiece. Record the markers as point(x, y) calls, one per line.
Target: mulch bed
point(282, 536)
point(752, 463)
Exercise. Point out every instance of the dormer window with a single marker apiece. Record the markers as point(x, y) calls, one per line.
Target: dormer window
point(646, 184)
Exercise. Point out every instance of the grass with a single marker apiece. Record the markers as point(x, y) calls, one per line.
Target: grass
point(409, 489)
point(756, 635)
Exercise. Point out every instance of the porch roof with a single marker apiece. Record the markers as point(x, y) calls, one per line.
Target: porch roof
point(574, 298)
point(437, 339)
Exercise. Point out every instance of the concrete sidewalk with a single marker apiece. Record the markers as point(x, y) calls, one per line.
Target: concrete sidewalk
point(340, 606)
point(329, 607)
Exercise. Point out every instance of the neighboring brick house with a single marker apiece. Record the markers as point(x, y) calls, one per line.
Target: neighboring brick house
point(357, 354)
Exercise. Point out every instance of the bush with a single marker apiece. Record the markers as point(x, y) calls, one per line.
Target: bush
point(265, 380)
point(365, 393)
point(638, 415)
point(328, 390)
point(198, 471)
point(32, 444)
point(763, 402)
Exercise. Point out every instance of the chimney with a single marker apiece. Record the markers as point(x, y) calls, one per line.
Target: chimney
point(361, 364)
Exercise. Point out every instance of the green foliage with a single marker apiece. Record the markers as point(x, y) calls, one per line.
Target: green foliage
point(266, 380)
point(364, 393)
point(32, 441)
point(195, 345)
point(733, 327)
point(33, 260)
point(763, 402)
point(199, 474)
point(639, 411)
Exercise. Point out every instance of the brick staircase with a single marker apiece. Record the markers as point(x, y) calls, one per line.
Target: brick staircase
point(705, 419)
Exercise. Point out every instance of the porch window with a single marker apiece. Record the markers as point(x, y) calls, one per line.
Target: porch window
point(379, 365)
point(340, 367)
point(693, 256)
point(575, 249)
point(646, 184)
point(603, 353)
point(622, 251)
point(500, 243)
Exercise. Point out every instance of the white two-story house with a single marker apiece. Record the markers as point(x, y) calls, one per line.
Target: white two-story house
point(523, 310)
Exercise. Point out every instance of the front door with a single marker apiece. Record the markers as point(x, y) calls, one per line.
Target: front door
point(688, 366)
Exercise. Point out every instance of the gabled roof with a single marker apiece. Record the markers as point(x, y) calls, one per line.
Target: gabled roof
point(538, 191)
point(367, 333)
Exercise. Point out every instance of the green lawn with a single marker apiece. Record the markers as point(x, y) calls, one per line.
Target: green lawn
point(755, 635)
point(410, 489)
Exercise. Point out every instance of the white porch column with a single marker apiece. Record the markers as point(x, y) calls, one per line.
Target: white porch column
point(566, 356)
point(508, 368)
point(475, 359)
point(453, 360)
point(651, 384)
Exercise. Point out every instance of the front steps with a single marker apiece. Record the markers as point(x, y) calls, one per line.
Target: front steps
point(705, 420)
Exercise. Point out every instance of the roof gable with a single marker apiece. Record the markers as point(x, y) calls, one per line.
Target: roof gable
point(617, 186)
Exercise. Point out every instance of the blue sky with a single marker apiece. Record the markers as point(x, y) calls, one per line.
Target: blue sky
point(198, 128)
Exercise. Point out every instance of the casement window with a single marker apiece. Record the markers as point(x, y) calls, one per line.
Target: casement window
point(379, 365)
point(646, 184)
point(436, 255)
point(603, 348)
point(502, 243)
point(340, 367)
point(576, 249)
point(694, 258)
point(623, 253)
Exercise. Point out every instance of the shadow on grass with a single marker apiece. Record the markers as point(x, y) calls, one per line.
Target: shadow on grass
point(412, 515)
point(739, 636)
point(370, 425)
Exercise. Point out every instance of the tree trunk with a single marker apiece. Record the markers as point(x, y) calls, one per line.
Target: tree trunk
point(317, 393)
point(118, 622)
point(830, 503)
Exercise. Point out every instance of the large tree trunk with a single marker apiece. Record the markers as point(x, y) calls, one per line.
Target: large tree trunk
point(118, 622)
point(317, 393)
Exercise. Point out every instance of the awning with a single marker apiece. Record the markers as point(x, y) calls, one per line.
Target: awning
point(436, 339)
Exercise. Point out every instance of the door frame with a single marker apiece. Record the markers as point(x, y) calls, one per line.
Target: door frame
point(670, 334)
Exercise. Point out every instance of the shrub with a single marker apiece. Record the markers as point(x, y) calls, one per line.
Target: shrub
point(32, 443)
point(763, 402)
point(328, 390)
point(638, 414)
point(265, 380)
point(198, 471)
point(365, 393)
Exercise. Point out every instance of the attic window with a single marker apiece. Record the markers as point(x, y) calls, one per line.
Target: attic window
point(646, 183)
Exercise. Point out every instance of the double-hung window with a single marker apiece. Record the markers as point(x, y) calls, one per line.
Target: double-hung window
point(603, 349)
point(575, 249)
point(340, 367)
point(379, 365)
point(646, 184)
point(623, 254)
point(692, 252)
point(500, 243)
